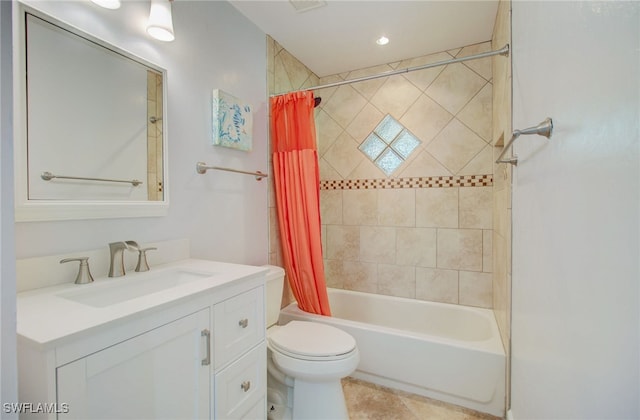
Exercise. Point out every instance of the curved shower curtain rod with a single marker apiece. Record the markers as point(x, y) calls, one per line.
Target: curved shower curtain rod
point(502, 51)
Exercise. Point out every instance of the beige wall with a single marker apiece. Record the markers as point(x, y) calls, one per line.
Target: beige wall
point(426, 231)
point(502, 180)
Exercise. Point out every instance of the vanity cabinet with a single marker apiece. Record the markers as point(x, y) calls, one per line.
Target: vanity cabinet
point(202, 356)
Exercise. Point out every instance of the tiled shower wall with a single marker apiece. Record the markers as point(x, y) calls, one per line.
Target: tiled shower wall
point(425, 231)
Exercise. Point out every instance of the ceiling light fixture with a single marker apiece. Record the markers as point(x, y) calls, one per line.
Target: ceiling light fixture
point(160, 25)
point(383, 40)
point(108, 4)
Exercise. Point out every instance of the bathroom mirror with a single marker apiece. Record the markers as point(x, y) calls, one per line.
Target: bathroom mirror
point(90, 130)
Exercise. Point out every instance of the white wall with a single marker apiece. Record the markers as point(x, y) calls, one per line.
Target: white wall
point(223, 214)
point(576, 211)
point(8, 382)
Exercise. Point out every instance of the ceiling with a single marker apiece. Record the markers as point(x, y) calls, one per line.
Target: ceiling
point(340, 35)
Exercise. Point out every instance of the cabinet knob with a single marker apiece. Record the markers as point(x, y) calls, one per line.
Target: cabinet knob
point(243, 323)
point(245, 385)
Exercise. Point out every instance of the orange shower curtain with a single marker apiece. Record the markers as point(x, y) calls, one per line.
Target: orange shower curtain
point(297, 189)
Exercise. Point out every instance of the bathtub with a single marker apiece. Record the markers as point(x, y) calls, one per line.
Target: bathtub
point(451, 353)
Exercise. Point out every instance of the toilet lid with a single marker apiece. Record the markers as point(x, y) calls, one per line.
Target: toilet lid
point(312, 339)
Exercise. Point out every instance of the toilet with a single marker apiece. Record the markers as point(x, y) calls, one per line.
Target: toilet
point(305, 363)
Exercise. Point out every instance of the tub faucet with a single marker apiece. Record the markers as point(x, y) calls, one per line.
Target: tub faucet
point(116, 249)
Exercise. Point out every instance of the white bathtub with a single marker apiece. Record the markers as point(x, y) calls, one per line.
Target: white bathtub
point(448, 352)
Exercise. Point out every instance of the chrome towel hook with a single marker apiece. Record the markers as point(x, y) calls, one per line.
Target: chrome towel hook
point(545, 128)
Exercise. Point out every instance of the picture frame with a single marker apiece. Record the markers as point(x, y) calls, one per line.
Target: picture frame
point(232, 121)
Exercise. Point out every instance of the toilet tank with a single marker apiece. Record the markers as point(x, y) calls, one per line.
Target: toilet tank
point(275, 284)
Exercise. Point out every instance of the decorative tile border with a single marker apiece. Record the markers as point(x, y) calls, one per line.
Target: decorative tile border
point(422, 182)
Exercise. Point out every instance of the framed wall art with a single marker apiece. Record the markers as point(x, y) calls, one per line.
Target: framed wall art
point(232, 121)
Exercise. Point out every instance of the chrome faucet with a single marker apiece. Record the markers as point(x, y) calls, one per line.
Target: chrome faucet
point(116, 249)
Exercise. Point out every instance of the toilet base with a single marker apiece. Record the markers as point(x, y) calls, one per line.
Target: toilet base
point(319, 400)
point(299, 399)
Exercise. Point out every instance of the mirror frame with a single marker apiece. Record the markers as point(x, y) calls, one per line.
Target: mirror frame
point(47, 210)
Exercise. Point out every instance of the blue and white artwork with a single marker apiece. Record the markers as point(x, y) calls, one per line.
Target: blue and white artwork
point(232, 121)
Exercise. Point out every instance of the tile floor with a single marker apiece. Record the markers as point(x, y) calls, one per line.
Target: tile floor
point(367, 401)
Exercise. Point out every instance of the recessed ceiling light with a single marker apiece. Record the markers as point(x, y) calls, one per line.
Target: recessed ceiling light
point(383, 40)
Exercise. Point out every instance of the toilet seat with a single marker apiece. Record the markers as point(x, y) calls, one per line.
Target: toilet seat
point(312, 341)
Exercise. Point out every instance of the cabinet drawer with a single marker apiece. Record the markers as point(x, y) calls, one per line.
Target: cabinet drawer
point(239, 324)
point(242, 385)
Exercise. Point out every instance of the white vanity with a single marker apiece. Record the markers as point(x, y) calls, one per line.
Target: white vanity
point(185, 340)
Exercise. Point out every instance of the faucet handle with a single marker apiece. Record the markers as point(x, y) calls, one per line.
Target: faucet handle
point(132, 245)
point(142, 259)
point(84, 274)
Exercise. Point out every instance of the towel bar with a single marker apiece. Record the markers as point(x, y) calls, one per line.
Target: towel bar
point(202, 168)
point(48, 176)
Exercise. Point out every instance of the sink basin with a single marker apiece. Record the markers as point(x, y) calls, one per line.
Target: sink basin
point(110, 292)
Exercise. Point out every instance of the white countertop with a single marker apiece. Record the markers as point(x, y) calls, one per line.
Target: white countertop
point(45, 316)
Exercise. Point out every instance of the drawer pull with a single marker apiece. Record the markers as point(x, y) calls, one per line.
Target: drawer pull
point(243, 323)
point(207, 335)
point(245, 385)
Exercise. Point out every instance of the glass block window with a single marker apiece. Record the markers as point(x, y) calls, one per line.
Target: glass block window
point(389, 145)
